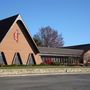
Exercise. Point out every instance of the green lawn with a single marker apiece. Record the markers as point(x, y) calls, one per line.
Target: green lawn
point(38, 66)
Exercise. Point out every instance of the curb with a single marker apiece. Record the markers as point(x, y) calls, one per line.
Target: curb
point(39, 74)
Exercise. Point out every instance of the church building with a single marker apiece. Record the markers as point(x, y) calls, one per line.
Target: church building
point(16, 44)
point(17, 47)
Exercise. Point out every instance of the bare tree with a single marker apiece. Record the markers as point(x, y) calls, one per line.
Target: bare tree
point(37, 40)
point(48, 37)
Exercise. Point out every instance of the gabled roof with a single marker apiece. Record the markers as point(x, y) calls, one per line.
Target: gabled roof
point(59, 51)
point(5, 25)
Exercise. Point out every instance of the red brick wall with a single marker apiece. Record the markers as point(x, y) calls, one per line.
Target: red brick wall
point(10, 46)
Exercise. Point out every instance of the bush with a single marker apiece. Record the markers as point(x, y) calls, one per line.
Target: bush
point(49, 62)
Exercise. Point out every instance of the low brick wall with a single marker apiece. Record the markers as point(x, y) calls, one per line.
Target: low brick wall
point(35, 71)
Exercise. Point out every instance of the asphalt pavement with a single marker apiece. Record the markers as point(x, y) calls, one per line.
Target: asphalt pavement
point(46, 82)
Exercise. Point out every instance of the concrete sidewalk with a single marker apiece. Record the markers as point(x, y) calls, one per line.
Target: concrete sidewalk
point(42, 71)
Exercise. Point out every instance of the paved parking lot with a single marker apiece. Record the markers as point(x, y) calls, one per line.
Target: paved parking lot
point(47, 82)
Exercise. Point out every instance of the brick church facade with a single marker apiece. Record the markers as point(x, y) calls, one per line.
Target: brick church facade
point(16, 44)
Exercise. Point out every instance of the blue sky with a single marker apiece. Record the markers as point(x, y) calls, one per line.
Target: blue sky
point(69, 17)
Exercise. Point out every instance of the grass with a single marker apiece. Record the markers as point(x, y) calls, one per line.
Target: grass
point(38, 66)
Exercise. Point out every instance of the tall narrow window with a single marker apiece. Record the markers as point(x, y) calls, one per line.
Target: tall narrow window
point(17, 59)
point(2, 59)
point(31, 60)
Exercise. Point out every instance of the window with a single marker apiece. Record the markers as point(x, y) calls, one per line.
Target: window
point(17, 59)
point(31, 60)
point(2, 59)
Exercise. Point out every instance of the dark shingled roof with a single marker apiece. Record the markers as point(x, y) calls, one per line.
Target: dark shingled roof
point(80, 47)
point(60, 51)
point(5, 25)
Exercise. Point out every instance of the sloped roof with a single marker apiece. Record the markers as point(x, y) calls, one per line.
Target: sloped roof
point(5, 25)
point(28, 36)
point(80, 47)
point(59, 51)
